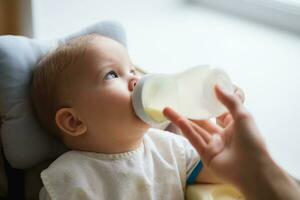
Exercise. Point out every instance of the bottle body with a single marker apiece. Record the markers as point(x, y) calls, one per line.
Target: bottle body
point(191, 93)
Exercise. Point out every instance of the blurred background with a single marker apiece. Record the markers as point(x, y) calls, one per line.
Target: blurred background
point(257, 42)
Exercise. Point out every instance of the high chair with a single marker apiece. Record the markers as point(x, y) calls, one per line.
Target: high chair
point(26, 149)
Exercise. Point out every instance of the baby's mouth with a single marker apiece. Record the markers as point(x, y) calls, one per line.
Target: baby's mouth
point(131, 105)
point(133, 111)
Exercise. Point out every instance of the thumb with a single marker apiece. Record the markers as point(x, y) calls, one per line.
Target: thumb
point(230, 101)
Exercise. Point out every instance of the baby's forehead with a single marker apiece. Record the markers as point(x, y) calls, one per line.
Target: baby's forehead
point(82, 44)
point(84, 56)
point(103, 45)
point(103, 50)
point(93, 52)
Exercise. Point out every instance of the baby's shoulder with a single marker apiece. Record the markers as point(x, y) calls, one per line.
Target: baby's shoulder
point(68, 162)
point(68, 157)
point(72, 174)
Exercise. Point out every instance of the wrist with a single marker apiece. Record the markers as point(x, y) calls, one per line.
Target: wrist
point(264, 179)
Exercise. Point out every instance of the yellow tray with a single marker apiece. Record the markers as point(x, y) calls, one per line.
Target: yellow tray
point(213, 192)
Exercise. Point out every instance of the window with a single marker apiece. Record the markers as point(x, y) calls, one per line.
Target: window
point(290, 2)
point(284, 14)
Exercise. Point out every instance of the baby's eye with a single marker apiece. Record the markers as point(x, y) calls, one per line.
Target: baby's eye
point(133, 71)
point(110, 75)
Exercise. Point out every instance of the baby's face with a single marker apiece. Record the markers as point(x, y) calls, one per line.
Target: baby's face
point(104, 81)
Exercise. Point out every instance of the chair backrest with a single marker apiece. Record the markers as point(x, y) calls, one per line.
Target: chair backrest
point(11, 180)
point(3, 180)
point(25, 143)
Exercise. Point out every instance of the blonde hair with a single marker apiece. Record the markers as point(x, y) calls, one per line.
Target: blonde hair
point(49, 81)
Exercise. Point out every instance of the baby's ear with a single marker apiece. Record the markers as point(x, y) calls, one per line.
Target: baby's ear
point(68, 122)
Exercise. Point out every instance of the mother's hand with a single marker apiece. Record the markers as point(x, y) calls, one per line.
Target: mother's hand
point(225, 150)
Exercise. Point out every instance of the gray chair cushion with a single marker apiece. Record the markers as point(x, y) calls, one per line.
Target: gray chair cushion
point(25, 144)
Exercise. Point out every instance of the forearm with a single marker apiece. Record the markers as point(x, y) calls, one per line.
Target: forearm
point(269, 181)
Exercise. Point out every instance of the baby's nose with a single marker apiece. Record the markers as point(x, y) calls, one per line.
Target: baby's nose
point(132, 84)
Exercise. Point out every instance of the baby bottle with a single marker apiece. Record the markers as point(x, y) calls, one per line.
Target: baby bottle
point(190, 93)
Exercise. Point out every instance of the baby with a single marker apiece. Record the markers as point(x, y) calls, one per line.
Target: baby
point(81, 94)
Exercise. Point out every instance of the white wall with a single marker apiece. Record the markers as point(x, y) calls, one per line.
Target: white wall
point(169, 37)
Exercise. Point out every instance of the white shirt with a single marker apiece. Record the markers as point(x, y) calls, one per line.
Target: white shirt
point(158, 169)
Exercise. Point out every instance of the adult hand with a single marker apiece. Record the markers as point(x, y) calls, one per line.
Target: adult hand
point(237, 153)
point(224, 150)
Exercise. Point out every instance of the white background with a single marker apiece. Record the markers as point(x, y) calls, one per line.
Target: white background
point(169, 36)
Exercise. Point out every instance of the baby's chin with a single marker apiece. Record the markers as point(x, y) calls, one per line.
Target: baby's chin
point(138, 122)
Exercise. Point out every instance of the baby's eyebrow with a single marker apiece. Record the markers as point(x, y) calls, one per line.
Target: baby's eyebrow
point(139, 69)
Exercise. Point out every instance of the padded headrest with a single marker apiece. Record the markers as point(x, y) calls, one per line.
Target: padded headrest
point(25, 143)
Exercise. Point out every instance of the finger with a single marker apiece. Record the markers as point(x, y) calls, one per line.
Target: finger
point(228, 118)
point(187, 129)
point(173, 128)
point(206, 135)
point(196, 139)
point(239, 93)
point(208, 126)
point(230, 101)
point(220, 120)
point(172, 115)
point(224, 120)
point(220, 123)
point(197, 128)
